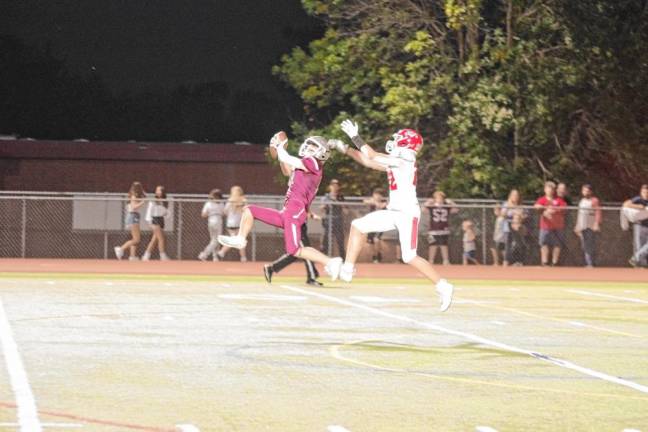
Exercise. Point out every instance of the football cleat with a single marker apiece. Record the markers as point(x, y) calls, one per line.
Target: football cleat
point(445, 290)
point(333, 268)
point(235, 242)
point(346, 272)
point(267, 273)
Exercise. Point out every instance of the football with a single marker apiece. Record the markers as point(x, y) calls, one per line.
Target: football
point(281, 135)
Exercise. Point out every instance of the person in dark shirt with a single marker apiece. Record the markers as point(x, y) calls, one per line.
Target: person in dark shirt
point(640, 229)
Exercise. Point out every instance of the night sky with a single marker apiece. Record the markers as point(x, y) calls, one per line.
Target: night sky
point(137, 46)
point(132, 44)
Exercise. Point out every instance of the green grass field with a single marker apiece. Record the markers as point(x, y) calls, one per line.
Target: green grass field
point(118, 353)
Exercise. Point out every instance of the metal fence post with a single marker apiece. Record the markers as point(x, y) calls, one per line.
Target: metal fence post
point(179, 230)
point(23, 233)
point(105, 245)
point(484, 237)
point(329, 234)
point(254, 245)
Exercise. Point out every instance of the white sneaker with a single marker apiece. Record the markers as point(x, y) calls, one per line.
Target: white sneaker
point(445, 290)
point(164, 257)
point(235, 242)
point(202, 256)
point(346, 272)
point(119, 252)
point(133, 258)
point(146, 256)
point(333, 268)
point(243, 259)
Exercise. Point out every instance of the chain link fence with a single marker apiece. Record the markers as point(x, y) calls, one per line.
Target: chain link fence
point(90, 226)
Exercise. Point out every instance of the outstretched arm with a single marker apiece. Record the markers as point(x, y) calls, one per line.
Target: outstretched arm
point(351, 129)
point(288, 162)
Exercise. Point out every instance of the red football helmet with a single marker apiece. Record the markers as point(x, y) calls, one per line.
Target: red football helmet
point(405, 139)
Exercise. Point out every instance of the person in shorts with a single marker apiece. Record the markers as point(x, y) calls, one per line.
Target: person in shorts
point(136, 199)
point(440, 209)
point(552, 224)
point(233, 213)
point(157, 210)
point(377, 201)
point(213, 211)
point(469, 243)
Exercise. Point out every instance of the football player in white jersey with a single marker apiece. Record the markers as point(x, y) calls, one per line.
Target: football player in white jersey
point(403, 212)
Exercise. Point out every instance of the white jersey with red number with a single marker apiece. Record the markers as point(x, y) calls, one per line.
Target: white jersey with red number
point(401, 175)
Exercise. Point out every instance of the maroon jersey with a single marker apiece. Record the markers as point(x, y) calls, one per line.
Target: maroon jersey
point(303, 185)
point(439, 217)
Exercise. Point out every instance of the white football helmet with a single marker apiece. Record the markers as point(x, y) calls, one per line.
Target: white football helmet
point(315, 146)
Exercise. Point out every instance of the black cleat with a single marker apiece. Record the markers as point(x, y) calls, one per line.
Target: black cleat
point(314, 282)
point(267, 273)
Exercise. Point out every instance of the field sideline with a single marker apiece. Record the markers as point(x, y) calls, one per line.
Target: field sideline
point(125, 351)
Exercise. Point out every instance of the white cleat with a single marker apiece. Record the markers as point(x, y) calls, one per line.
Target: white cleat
point(346, 272)
point(445, 290)
point(119, 252)
point(235, 242)
point(333, 268)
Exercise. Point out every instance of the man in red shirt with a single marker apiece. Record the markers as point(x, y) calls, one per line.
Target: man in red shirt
point(552, 224)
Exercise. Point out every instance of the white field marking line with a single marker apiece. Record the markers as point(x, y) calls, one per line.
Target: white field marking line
point(588, 293)
point(187, 428)
point(25, 402)
point(45, 425)
point(265, 297)
point(337, 428)
point(631, 430)
point(384, 300)
point(501, 323)
point(485, 429)
point(481, 340)
point(547, 318)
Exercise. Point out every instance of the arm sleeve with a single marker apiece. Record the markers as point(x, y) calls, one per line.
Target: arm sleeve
point(289, 160)
point(387, 161)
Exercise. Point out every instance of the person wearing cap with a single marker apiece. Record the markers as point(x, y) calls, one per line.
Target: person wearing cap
point(333, 220)
point(588, 223)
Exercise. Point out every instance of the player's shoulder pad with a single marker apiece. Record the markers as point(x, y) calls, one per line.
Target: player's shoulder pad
point(311, 164)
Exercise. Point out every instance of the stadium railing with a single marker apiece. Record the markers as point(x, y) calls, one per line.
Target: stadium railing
point(89, 225)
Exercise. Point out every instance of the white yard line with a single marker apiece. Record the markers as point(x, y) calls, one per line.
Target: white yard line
point(337, 428)
point(593, 294)
point(25, 402)
point(187, 428)
point(478, 339)
point(485, 429)
point(45, 425)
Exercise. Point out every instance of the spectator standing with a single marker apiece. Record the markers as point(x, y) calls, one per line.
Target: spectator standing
point(499, 237)
point(588, 223)
point(333, 220)
point(233, 212)
point(136, 199)
point(516, 241)
point(376, 202)
point(213, 211)
point(509, 209)
point(552, 224)
point(469, 243)
point(156, 213)
point(440, 210)
point(640, 228)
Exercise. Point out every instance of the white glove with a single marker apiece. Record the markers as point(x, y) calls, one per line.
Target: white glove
point(276, 142)
point(338, 145)
point(350, 128)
